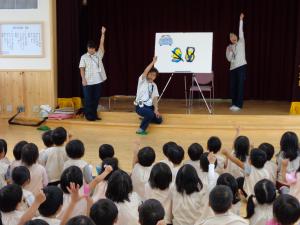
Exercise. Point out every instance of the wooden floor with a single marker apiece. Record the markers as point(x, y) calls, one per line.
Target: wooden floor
point(118, 128)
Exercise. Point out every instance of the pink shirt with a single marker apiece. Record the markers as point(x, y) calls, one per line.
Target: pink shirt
point(38, 178)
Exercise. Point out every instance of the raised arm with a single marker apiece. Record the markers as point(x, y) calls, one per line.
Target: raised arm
point(241, 28)
point(233, 159)
point(102, 39)
point(99, 178)
point(149, 67)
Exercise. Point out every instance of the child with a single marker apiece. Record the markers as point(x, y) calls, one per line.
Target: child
point(3, 152)
point(48, 142)
point(38, 175)
point(241, 148)
point(208, 176)
point(119, 190)
point(167, 149)
point(254, 171)
point(270, 165)
point(220, 200)
point(261, 211)
point(214, 145)
point(4, 163)
point(75, 152)
point(142, 165)
point(21, 177)
point(289, 149)
point(188, 198)
point(151, 212)
point(105, 151)
point(159, 188)
point(229, 181)
point(286, 211)
point(195, 151)
point(100, 189)
point(54, 157)
point(176, 156)
point(105, 212)
point(80, 220)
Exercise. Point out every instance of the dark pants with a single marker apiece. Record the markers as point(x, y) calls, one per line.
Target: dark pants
point(91, 94)
point(237, 78)
point(147, 112)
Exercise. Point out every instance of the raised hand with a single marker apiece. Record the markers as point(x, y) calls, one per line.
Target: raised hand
point(154, 59)
point(211, 158)
point(242, 16)
point(74, 192)
point(40, 198)
point(103, 30)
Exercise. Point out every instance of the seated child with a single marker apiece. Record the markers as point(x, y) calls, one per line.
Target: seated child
point(195, 151)
point(176, 157)
point(214, 145)
point(208, 176)
point(167, 148)
point(105, 212)
point(105, 151)
point(151, 212)
point(272, 166)
point(220, 200)
point(48, 142)
point(3, 152)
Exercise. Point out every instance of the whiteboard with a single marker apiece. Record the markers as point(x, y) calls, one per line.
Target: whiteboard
point(21, 40)
point(184, 52)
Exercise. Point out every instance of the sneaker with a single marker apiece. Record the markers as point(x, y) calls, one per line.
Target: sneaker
point(231, 107)
point(141, 132)
point(235, 109)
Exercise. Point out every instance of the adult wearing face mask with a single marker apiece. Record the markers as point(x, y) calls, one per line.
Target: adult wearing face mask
point(93, 75)
point(235, 54)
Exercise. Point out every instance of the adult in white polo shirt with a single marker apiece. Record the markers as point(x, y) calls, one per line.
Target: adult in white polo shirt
point(236, 55)
point(93, 75)
point(147, 98)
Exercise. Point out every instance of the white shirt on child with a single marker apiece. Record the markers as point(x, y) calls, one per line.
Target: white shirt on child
point(100, 191)
point(75, 162)
point(28, 199)
point(220, 164)
point(224, 219)
point(5, 160)
point(3, 170)
point(164, 197)
point(235, 170)
point(140, 176)
point(128, 210)
point(262, 214)
point(54, 159)
point(11, 218)
point(209, 179)
point(38, 178)
point(51, 221)
point(272, 168)
point(196, 165)
point(146, 91)
point(292, 166)
point(168, 162)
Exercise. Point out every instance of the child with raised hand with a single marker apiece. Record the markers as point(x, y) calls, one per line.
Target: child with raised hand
point(38, 175)
point(208, 176)
point(160, 188)
point(142, 165)
point(214, 145)
point(270, 165)
point(105, 151)
point(21, 177)
point(228, 180)
point(151, 212)
point(254, 170)
point(286, 211)
point(260, 210)
point(195, 151)
point(105, 212)
point(220, 200)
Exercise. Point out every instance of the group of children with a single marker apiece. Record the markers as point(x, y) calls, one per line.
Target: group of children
point(56, 186)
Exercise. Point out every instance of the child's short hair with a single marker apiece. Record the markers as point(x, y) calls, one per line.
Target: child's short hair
point(187, 180)
point(241, 148)
point(220, 199)
point(30, 154)
point(119, 187)
point(10, 197)
point(154, 70)
point(268, 149)
point(160, 176)
point(20, 175)
point(204, 163)
point(47, 138)
point(167, 146)
point(258, 158)
point(75, 149)
point(59, 136)
point(214, 144)
point(104, 212)
point(91, 44)
point(106, 151)
point(150, 212)
point(72, 174)
point(146, 156)
point(80, 220)
point(17, 151)
point(289, 145)
point(113, 162)
point(195, 151)
point(286, 209)
point(36, 222)
point(228, 180)
point(3, 146)
point(53, 202)
point(176, 155)
point(265, 193)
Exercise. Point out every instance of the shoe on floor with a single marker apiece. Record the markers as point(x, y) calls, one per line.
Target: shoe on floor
point(235, 108)
point(141, 132)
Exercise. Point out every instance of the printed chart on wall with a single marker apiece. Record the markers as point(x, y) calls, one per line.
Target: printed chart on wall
point(21, 40)
point(184, 52)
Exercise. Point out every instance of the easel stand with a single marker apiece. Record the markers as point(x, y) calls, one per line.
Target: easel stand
point(185, 87)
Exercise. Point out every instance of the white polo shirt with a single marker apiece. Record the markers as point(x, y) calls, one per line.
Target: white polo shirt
point(94, 69)
point(146, 91)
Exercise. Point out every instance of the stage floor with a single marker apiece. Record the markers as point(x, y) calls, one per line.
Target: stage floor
point(260, 121)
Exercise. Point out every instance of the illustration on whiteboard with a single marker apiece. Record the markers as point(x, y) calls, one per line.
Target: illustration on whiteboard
point(165, 40)
point(190, 54)
point(177, 55)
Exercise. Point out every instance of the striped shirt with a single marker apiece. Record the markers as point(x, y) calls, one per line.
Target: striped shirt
point(235, 53)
